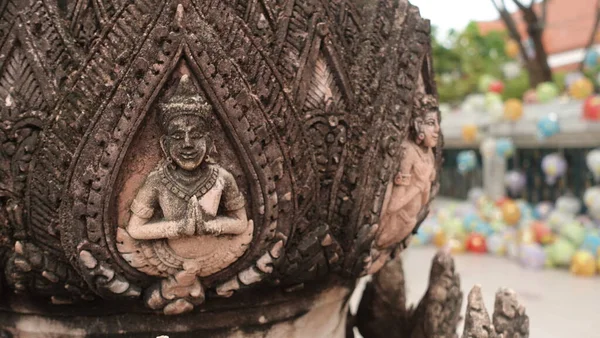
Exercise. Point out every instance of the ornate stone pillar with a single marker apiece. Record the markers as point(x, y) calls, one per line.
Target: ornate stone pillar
point(207, 168)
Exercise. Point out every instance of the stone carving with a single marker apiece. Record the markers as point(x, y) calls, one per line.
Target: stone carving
point(408, 194)
point(188, 218)
point(310, 103)
point(411, 187)
point(383, 311)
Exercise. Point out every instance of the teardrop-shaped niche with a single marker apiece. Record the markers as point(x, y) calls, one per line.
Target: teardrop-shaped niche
point(175, 209)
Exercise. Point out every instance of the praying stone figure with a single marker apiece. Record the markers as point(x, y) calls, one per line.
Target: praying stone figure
point(188, 218)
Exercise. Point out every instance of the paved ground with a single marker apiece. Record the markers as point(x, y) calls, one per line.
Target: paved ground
point(559, 305)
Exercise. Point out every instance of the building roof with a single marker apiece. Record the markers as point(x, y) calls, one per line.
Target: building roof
point(569, 24)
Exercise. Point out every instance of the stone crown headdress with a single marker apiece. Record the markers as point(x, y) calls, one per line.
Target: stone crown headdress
point(424, 103)
point(186, 100)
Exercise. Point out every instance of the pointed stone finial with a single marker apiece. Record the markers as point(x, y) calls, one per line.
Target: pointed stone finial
point(179, 16)
point(477, 320)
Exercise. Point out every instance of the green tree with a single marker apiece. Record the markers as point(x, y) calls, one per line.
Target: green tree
point(535, 18)
point(463, 58)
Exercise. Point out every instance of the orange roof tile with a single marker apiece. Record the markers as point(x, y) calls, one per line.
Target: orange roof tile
point(568, 27)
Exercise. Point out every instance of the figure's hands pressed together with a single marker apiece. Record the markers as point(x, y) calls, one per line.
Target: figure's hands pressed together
point(213, 229)
point(190, 222)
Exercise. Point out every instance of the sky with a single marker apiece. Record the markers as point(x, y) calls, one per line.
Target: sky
point(456, 14)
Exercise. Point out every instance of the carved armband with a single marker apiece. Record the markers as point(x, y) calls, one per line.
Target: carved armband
point(141, 210)
point(235, 203)
point(402, 179)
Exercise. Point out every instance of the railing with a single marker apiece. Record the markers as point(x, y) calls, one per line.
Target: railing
point(454, 184)
point(576, 180)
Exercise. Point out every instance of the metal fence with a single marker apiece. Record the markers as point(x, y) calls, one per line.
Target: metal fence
point(576, 180)
point(454, 184)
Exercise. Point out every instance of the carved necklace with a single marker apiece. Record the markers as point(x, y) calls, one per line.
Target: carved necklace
point(204, 183)
point(424, 154)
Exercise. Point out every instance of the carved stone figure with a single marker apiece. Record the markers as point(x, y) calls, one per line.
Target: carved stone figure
point(188, 218)
point(409, 193)
point(412, 184)
point(230, 160)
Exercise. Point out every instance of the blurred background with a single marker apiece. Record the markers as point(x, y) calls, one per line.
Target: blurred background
point(519, 204)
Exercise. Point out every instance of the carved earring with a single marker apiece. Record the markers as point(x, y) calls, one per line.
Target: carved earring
point(421, 137)
point(212, 154)
point(170, 163)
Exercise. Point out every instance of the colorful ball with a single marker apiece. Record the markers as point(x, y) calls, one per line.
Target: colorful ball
point(526, 236)
point(591, 197)
point(483, 228)
point(476, 243)
point(496, 86)
point(532, 256)
point(558, 219)
point(469, 132)
point(511, 213)
point(493, 99)
point(572, 77)
point(500, 201)
point(587, 223)
point(505, 147)
point(591, 58)
point(496, 244)
point(484, 82)
point(456, 245)
point(466, 161)
point(421, 238)
point(554, 166)
point(561, 252)
point(527, 212)
point(440, 239)
point(512, 249)
point(542, 210)
point(583, 264)
point(511, 70)
point(470, 221)
point(453, 227)
point(542, 232)
point(548, 126)
point(530, 96)
point(513, 110)
point(581, 89)
point(591, 108)
point(474, 103)
point(515, 181)
point(498, 225)
point(592, 160)
point(568, 204)
point(475, 194)
point(547, 91)
point(443, 215)
point(488, 147)
point(573, 232)
point(511, 49)
point(591, 242)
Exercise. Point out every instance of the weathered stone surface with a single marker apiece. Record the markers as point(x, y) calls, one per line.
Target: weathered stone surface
point(383, 311)
point(302, 105)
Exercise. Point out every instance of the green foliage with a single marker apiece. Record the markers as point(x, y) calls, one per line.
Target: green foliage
point(516, 88)
point(463, 58)
point(559, 79)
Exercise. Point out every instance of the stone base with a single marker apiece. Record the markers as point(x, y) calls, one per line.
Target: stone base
point(322, 315)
